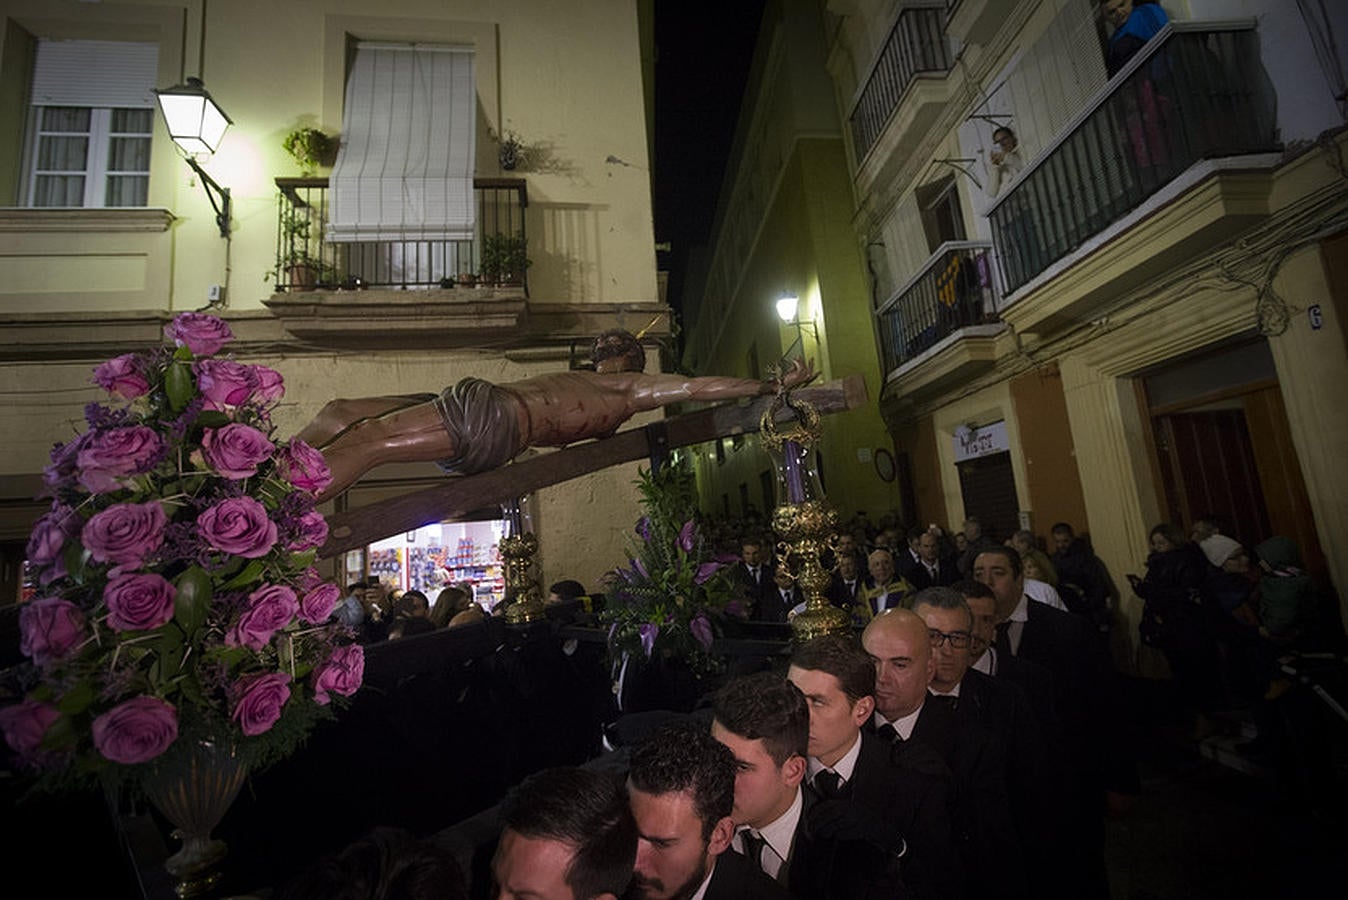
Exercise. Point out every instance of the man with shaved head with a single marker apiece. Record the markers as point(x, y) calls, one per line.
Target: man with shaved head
point(899, 645)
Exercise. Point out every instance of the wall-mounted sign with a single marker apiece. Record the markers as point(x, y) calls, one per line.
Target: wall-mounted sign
point(1316, 316)
point(983, 440)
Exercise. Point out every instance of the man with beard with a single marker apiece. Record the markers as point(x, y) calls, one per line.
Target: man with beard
point(681, 786)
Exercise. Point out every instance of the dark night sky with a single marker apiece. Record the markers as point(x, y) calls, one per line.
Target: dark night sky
point(703, 51)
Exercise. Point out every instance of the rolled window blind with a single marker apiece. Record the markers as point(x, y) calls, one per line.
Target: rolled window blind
point(404, 171)
point(114, 74)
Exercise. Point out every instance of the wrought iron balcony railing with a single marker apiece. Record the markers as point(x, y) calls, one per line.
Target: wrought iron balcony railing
point(955, 289)
point(1196, 91)
point(917, 43)
point(497, 254)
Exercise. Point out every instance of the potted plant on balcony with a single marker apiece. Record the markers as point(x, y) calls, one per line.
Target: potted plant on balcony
point(310, 147)
point(299, 268)
point(504, 259)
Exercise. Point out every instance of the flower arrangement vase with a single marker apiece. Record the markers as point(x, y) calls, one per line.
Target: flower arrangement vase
point(194, 791)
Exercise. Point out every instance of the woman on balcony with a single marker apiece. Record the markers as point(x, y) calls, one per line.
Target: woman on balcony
point(1134, 24)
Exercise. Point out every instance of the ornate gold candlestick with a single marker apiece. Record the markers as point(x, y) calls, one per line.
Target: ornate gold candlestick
point(524, 601)
point(803, 519)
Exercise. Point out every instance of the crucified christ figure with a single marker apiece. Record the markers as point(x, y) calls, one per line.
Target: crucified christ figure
point(475, 426)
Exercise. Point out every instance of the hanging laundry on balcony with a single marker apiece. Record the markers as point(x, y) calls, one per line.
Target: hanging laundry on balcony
point(405, 168)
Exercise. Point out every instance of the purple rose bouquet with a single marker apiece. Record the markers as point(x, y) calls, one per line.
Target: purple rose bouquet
point(674, 594)
point(177, 596)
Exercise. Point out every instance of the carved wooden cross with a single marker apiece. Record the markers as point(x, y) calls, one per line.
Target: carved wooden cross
point(459, 496)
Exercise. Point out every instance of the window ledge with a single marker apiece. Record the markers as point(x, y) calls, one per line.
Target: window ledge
point(77, 219)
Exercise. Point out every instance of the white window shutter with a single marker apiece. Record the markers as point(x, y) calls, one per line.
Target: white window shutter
point(113, 74)
point(405, 168)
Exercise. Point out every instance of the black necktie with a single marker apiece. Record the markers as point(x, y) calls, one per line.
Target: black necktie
point(949, 701)
point(753, 847)
point(1003, 640)
point(826, 782)
point(889, 733)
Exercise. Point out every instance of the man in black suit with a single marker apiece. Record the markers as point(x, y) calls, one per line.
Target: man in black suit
point(1005, 772)
point(929, 570)
point(845, 587)
point(681, 786)
point(785, 596)
point(765, 722)
point(1086, 701)
point(754, 573)
point(905, 803)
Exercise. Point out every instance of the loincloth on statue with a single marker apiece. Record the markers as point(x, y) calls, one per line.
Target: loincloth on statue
point(482, 421)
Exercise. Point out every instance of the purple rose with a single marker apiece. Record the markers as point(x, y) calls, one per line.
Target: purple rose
point(138, 602)
point(125, 533)
point(239, 526)
point(49, 629)
point(258, 702)
point(309, 579)
point(224, 382)
point(270, 385)
point(648, 633)
point(201, 334)
point(687, 536)
point(50, 535)
point(60, 472)
point(112, 455)
point(136, 731)
point(318, 604)
point(235, 451)
point(304, 467)
point(701, 629)
point(341, 674)
point(122, 376)
point(311, 531)
point(25, 724)
point(270, 608)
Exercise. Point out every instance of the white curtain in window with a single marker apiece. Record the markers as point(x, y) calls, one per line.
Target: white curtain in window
point(405, 168)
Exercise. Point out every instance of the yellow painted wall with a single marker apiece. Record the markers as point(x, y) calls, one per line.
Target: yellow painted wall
point(566, 76)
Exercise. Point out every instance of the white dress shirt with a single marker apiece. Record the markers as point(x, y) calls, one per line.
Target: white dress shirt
point(844, 766)
point(779, 836)
point(1045, 593)
point(904, 726)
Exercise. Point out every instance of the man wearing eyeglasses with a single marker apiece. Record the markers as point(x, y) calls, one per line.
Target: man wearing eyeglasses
point(991, 743)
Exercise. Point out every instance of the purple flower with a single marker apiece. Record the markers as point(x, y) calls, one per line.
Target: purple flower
point(25, 724)
point(236, 450)
point(640, 568)
point(342, 673)
point(687, 536)
point(108, 457)
point(304, 467)
point(50, 535)
point(238, 526)
point(138, 602)
point(270, 608)
point(318, 604)
point(270, 385)
point(648, 631)
point(644, 528)
point(125, 533)
point(258, 702)
point(136, 731)
point(201, 334)
point(706, 571)
point(700, 627)
point(122, 376)
point(736, 609)
point(224, 382)
point(311, 531)
point(61, 471)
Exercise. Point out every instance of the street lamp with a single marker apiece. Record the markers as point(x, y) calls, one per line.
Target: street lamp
point(197, 123)
point(788, 310)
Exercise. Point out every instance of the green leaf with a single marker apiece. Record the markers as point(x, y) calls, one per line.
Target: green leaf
point(193, 600)
point(179, 384)
point(303, 560)
point(76, 558)
point(249, 574)
point(77, 699)
point(60, 735)
point(213, 418)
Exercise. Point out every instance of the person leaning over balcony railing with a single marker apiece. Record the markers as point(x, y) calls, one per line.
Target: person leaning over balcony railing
point(1135, 22)
point(1004, 163)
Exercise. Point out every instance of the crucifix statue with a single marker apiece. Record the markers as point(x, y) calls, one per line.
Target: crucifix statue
point(475, 426)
